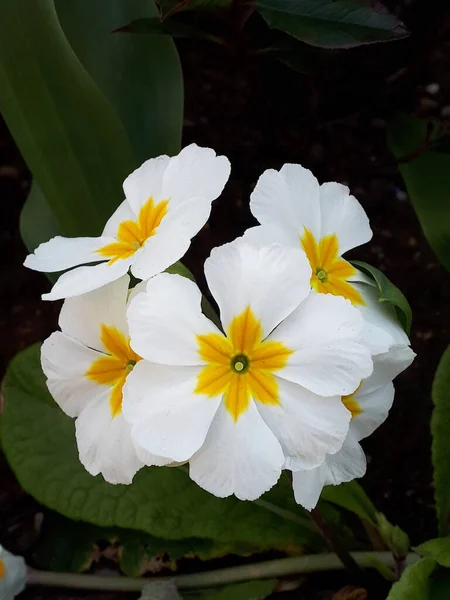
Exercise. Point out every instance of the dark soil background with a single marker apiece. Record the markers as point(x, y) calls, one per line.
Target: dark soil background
point(331, 119)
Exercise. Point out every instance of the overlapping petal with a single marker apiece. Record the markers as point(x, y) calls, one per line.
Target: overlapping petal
point(86, 365)
point(232, 402)
point(168, 200)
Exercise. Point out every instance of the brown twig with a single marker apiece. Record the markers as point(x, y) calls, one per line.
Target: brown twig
point(333, 542)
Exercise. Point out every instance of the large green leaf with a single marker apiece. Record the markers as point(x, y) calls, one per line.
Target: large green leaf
point(389, 293)
point(250, 590)
point(39, 443)
point(438, 549)
point(415, 582)
point(140, 75)
point(352, 497)
point(427, 179)
point(440, 428)
point(333, 23)
point(65, 128)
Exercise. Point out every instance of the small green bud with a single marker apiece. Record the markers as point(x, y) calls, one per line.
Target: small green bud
point(395, 538)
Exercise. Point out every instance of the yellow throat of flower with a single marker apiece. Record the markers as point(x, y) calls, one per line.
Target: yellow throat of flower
point(112, 369)
point(330, 273)
point(241, 365)
point(132, 235)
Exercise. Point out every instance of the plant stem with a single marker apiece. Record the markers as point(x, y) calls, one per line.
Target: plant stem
point(263, 570)
point(286, 514)
point(333, 542)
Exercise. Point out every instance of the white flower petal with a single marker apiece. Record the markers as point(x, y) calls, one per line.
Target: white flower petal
point(308, 486)
point(375, 406)
point(307, 426)
point(122, 213)
point(165, 320)
point(168, 419)
point(195, 173)
point(272, 234)
point(382, 328)
point(15, 575)
point(85, 279)
point(344, 216)
point(288, 198)
point(65, 362)
point(82, 317)
point(242, 458)
point(172, 238)
point(104, 442)
point(146, 182)
point(62, 253)
point(328, 357)
point(150, 460)
point(272, 280)
point(347, 464)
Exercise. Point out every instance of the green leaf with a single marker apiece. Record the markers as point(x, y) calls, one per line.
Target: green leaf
point(170, 27)
point(352, 497)
point(437, 549)
point(169, 7)
point(139, 75)
point(440, 585)
point(333, 23)
point(415, 582)
point(440, 428)
point(389, 293)
point(427, 178)
point(65, 128)
point(39, 443)
point(239, 591)
point(37, 220)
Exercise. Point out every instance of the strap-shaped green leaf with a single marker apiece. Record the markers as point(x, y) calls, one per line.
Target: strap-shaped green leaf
point(437, 549)
point(352, 497)
point(427, 178)
point(440, 428)
point(65, 128)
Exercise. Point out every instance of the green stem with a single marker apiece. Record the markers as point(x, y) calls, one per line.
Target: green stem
point(286, 514)
point(264, 570)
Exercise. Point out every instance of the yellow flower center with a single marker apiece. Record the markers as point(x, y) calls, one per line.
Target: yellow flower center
point(241, 365)
point(2, 569)
point(350, 403)
point(329, 272)
point(132, 235)
point(112, 369)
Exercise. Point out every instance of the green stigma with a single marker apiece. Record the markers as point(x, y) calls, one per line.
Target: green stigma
point(321, 275)
point(240, 364)
point(130, 365)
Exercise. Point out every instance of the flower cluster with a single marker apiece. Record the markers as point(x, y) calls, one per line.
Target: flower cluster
point(299, 372)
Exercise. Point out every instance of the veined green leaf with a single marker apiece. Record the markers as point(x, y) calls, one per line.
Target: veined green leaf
point(415, 582)
point(333, 23)
point(437, 549)
point(427, 178)
point(39, 442)
point(440, 428)
point(65, 128)
point(352, 497)
point(389, 293)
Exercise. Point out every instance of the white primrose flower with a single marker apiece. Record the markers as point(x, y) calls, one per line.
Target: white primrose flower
point(13, 575)
point(235, 403)
point(168, 200)
point(369, 406)
point(326, 221)
point(86, 365)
